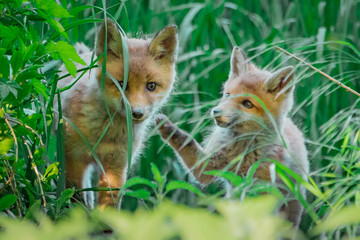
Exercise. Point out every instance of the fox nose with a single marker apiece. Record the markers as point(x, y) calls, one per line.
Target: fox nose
point(216, 112)
point(138, 114)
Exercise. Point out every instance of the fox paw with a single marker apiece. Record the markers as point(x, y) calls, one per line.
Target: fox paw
point(166, 127)
point(161, 118)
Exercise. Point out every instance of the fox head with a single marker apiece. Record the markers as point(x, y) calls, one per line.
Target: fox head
point(151, 69)
point(239, 108)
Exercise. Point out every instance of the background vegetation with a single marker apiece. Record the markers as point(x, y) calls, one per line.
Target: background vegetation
point(37, 36)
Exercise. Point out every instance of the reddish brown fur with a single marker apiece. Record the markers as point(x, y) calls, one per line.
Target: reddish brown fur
point(144, 69)
point(251, 82)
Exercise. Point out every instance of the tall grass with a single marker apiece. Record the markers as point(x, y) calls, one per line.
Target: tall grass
point(325, 33)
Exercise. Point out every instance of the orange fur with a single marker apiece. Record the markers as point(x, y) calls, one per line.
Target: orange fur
point(151, 77)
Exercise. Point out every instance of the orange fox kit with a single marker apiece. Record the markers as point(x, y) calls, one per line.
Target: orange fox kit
point(245, 132)
point(94, 111)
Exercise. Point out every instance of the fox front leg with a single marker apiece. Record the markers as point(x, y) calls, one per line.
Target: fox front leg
point(114, 177)
point(187, 147)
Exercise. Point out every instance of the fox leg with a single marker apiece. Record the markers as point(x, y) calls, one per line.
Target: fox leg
point(78, 175)
point(115, 177)
point(293, 211)
point(189, 149)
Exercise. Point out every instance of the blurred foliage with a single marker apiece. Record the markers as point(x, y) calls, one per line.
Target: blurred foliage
point(234, 220)
point(37, 36)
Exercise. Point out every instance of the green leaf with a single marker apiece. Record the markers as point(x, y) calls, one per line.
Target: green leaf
point(139, 180)
point(16, 61)
point(7, 87)
point(7, 201)
point(28, 73)
point(141, 193)
point(346, 216)
point(76, 10)
point(60, 155)
point(311, 187)
point(67, 53)
point(30, 50)
point(173, 185)
point(52, 9)
point(33, 210)
point(6, 145)
point(230, 176)
point(40, 88)
point(65, 196)
point(24, 92)
point(157, 175)
point(57, 26)
point(51, 151)
point(5, 67)
point(51, 171)
point(70, 66)
point(287, 181)
point(8, 35)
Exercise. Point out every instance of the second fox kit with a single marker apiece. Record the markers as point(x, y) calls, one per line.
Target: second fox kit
point(94, 111)
point(245, 132)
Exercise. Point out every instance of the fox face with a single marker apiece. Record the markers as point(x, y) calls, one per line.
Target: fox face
point(151, 69)
point(240, 108)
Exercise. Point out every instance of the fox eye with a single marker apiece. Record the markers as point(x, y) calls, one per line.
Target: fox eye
point(151, 86)
point(122, 85)
point(247, 104)
point(227, 94)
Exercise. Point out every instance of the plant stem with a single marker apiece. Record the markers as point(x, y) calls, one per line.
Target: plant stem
point(318, 70)
point(36, 172)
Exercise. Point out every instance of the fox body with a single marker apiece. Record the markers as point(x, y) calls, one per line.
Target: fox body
point(99, 115)
point(245, 130)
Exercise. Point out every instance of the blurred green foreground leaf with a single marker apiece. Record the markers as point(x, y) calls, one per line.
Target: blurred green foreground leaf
point(233, 220)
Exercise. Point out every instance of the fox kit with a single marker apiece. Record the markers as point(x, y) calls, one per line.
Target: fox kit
point(245, 131)
point(95, 111)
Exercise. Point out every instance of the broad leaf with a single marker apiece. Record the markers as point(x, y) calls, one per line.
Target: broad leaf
point(6, 145)
point(182, 185)
point(28, 73)
point(141, 193)
point(7, 201)
point(40, 88)
point(51, 171)
point(65, 196)
point(52, 9)
point(57, 26)
point(230, 176)
point(7, 87)
point(8, 35)
point(67, 53)
point(139, 180)
point(33, 210)
point(16, 61)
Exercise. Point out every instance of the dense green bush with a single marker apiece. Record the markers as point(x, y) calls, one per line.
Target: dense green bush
point(38, 36)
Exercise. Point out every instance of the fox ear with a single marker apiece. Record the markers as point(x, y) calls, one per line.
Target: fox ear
point(164, 45)
point(279, 79)
point(113, 39)
point(238, 62)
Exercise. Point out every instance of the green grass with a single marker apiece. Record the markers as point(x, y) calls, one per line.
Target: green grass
point(324, 33)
